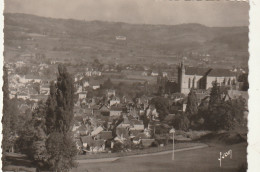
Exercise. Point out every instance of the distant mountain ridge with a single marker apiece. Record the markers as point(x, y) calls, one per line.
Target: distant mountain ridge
point(142, 39)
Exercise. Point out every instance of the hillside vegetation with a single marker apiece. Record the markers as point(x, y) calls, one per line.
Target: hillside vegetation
point(79, 41)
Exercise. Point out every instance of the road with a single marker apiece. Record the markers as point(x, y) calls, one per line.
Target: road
point(205, 159)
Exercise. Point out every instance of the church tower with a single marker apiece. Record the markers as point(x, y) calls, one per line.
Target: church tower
point(181, 73)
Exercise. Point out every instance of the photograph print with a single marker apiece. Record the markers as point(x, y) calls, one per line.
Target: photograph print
point(125, 86)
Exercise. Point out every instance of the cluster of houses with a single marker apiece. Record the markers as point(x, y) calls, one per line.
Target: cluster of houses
point(100, 124)
point(32, 86)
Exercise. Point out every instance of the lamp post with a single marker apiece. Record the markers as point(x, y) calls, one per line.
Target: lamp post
point(172, 131)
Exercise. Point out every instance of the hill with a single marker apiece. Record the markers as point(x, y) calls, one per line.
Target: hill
point(79, 41)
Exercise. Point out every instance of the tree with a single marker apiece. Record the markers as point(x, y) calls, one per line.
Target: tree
point(64, 98)
point(215, 96)
point(107, 84)
point(192, 104)
point(181, 122)
point(161, 104)
point(33, 136)
point(6, 116)
point(222, 114)
point(60, 145)
point(61, 149)
point(244, 79)
point(51, 109)
point(46, 138)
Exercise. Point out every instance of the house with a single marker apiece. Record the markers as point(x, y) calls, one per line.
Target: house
point(111, 93)
point(140, 137)
point(85, 83)
point(164, 74)
point(115, 111)
point(98, 146)
point(121, 38)
point(23, 96)
point(19, 64)
point(121, 133)
point(154, 73)
point(87, 141)
point(144, 73)
point(105, 135)
point(125, 123)
point(82, 130)
point(97, 131)
point(202, 78)
point(82, 95)
point(114, 101)
point(37, 98)
point(45, 89)
point(95, 84)
point(104, 110)
point(136, 125)
point(95, 87)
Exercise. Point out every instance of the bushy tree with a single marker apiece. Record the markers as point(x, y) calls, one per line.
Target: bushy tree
point(161, 104)
point(33, 136)
point(62, 150)
point(221, 113)
point(181, 122)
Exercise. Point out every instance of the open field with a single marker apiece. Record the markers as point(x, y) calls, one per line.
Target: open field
point(201, 160)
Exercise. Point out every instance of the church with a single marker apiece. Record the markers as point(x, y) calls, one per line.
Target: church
point(202, 78)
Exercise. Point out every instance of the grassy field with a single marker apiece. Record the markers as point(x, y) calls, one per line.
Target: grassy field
point(200, 160)
point(139, 152)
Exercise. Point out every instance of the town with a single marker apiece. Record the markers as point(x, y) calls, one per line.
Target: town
point(113, 110)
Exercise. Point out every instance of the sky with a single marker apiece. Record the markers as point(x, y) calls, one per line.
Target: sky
point(170, 12)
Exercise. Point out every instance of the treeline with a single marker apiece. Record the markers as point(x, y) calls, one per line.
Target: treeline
point(46, 138)
point(215, 112)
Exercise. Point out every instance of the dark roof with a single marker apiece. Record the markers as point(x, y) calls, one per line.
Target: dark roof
point(87, 139)
point(196, 71)
point(221, 72)
point(99, 143)
point(208, 71)
point(82, 128)
point(106, 135)
point(147, 142)
point(135, 132)
point(115, 108)
point(136, 122)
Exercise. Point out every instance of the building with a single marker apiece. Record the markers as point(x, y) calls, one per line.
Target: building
point(202, 78)
point(111, 93)
point(82, 95)
point(114, 101)
point(115, 111)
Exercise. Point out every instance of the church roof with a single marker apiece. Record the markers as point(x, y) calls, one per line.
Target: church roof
point(208, 71)
point(196, 71)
